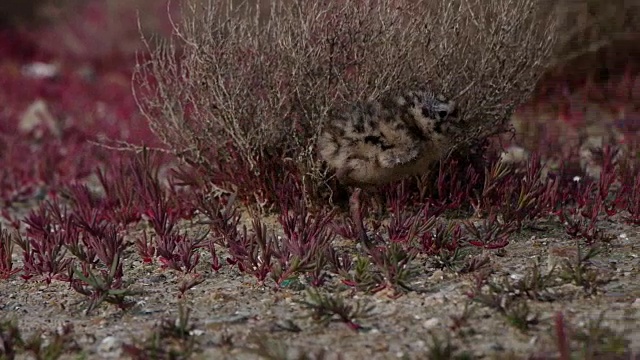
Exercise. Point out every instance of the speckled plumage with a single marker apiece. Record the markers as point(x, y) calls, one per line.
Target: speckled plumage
point(376, 142)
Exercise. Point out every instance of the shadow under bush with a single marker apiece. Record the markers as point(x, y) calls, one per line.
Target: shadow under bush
point(598, 42)
point(20, 12)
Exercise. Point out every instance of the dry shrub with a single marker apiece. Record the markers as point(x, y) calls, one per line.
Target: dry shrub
point(243, 97)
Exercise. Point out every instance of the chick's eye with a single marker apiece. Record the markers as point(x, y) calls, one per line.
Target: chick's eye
point(442, 114)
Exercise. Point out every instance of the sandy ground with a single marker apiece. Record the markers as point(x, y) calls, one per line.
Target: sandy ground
point(235, 318)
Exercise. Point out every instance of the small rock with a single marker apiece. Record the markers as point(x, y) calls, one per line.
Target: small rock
point(154, 279)
point(419, 345)
point(636, 303)
point(109, 344)
point(196, 332)
point(431, 323)
point(437, 275)
point(10, 306)
point(514, 155)
point(237, 318)
point(435, 299)
point(40, 70)
point(36, 115)
point(516, 276)
point(568, 289)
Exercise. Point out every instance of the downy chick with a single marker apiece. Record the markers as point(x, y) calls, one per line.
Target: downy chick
point(377, 142)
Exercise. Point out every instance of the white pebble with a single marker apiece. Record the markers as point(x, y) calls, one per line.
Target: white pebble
point(431, 323)
point(109, 344)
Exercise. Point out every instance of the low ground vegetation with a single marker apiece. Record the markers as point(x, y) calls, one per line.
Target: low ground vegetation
point(203, 189)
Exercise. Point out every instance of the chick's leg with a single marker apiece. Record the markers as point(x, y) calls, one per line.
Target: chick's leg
point(355, 207)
